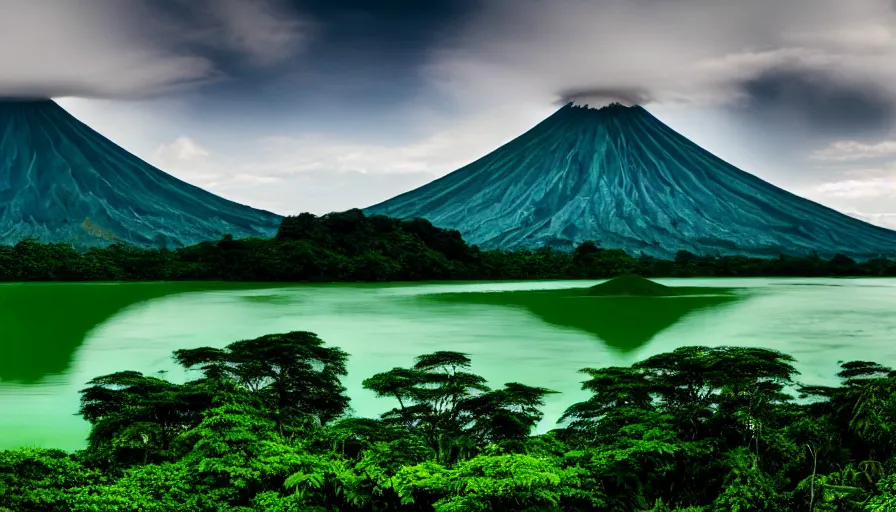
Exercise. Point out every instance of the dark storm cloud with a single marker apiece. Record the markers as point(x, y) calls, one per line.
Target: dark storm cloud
point(400, 25)
point(344, 33)
point(361, 65)
point(818, 100)
point(596, 96)
point(362, 47)
point(686, 52)
point(370, 59)
point(108, 48)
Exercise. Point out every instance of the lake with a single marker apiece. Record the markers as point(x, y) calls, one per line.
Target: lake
point(57, 336)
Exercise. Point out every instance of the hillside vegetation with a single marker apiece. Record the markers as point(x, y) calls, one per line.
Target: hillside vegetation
point(350, 246)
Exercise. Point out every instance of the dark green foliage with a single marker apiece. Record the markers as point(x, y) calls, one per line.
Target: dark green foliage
point(349, 246)
point(629, 284)
point(294, 373)
point(637, 286)
point(699, 429)
point(454, 411)
point(135, 418)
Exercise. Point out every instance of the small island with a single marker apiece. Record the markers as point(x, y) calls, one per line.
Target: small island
point(633, 285)
point(613, 311)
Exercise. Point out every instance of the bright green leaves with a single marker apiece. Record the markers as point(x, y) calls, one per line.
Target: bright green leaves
point(37, 479)
point(886, 500)
point(235, 453)
point(747, 488)
point(149, 488)
point(498, 482)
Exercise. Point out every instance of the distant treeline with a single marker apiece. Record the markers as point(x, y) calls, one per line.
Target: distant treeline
point(265, 426)
point(351, 247)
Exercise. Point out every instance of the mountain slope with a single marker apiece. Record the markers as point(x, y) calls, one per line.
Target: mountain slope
point(61, 181)
point(620, 176)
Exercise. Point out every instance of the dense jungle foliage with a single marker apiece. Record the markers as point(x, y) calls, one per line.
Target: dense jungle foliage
point(265, 427)
point(350, 246)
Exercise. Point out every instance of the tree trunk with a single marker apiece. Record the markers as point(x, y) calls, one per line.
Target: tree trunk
point(812, 482)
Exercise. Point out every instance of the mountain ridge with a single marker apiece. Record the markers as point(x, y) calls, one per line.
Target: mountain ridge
point(62, 181)
point(620, 176)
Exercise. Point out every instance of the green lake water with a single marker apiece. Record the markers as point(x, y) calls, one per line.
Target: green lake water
point(55, 337)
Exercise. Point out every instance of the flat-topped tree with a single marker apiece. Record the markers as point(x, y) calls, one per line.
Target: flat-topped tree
point(294, 373)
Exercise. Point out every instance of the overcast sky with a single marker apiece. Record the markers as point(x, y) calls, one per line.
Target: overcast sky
point(323, 105)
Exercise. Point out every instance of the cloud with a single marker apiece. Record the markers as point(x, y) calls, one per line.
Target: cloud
point(848, 150)
point(886, 220)
point(322, 172)
point(864, 193)
point(433, 154)
point(443, 145)
point(260, 30)
point(859, 38)
point(856, 188)
point(440, 90)
point(316, 152)
point(317, 174)
point(867, 193)
point(869, 182)
point(113, 49)
point(758, 55)
point(819, 100)
point(139, 126)
point(602, 96)
point(182, 149)
point(264, 31)
point(190, 161)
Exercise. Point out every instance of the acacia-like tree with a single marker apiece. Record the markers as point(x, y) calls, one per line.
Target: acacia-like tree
point(294, 374)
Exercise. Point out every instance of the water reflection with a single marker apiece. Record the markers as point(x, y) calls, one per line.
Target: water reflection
point(44, 324)
point(624, 323)
point(538, 338)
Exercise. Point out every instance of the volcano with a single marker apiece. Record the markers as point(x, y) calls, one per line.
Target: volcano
point(61, 181)
point(620, 177)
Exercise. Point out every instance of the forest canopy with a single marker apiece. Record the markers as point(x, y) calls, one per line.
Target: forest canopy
point(265, 425)
point(352, 247)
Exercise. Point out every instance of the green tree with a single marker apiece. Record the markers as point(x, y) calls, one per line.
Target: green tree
point(453, 409)
point(294, 373)
point(235, 453)
point(135, 418)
